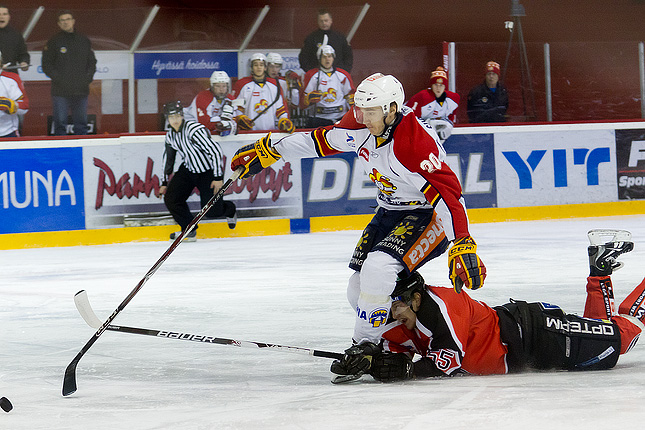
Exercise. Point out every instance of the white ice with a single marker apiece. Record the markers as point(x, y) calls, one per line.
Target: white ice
point(288, 290)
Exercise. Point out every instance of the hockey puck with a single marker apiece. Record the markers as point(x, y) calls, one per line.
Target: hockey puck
point(5, 404)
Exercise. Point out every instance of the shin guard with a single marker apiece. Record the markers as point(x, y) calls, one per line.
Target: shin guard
point(600, 302)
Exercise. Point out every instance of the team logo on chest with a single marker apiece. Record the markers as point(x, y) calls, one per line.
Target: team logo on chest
point(383, 183)
point(260, 106)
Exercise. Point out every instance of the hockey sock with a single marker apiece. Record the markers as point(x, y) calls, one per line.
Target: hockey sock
point(630, 329)
point(634, 304)
point(600, 302)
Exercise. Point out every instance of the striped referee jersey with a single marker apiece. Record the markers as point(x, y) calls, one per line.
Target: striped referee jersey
point(199, 152)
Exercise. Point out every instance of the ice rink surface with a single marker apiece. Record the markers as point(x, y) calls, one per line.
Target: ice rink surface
point(288, 290)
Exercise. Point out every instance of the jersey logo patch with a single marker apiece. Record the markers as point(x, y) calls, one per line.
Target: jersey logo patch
point(378, 317)
point(383, 183)
point(350, 139)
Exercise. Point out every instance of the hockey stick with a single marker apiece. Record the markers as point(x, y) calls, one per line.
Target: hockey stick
point(85, 309)
point(69, 381)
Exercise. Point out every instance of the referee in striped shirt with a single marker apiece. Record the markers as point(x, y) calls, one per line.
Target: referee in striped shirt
point(202, 167)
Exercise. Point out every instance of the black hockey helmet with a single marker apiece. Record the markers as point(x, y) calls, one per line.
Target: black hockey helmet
point(406, 286)
point(173, 107)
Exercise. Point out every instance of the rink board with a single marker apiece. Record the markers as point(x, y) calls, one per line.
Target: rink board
point(79, 191)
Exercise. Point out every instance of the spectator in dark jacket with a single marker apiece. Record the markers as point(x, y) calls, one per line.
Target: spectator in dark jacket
point(308, 54)
point(12, 44)
point(69, 61)
point(488, 101)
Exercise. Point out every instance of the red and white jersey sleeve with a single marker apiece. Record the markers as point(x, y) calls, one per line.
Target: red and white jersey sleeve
point(426, 106)
point(452, 332)
point(335, 86)
point(407, 164)
point(255, 98)
point(12, 88)
point(207, 110)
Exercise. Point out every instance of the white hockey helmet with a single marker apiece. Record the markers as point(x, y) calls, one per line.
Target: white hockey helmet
point(274, 58)
point(325, 49)
point(220, 77)
point(258, 56)
point(379, 90)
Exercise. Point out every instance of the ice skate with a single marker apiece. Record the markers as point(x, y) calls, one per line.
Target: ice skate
point(232, 221)
point(190, 237)
point(606, 246)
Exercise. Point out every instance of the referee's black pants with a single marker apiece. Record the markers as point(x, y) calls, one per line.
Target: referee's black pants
point(181, 186)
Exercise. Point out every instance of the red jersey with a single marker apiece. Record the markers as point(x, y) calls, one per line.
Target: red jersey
point(453, 333)
point(426, 106)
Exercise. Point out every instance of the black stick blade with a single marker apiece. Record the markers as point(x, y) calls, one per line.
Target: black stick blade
point(69, 382)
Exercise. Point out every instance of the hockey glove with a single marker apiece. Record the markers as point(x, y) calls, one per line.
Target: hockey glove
point(465, 267)
point(356, 360)
point(8, 105)
point(389, 367)
point(314, 97)
point(350, 99)
point(255, 157)
point(222, 126)
point(293, 79)
point(244, 122)
point(285, 124)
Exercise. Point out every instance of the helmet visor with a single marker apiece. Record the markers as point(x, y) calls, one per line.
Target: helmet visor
point(370, 115)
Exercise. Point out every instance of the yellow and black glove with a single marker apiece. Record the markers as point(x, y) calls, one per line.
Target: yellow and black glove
point(8, 105)
point(244, 122)
point(465, 267)
point(255, 157)
point(314, 97)
point(285, 124)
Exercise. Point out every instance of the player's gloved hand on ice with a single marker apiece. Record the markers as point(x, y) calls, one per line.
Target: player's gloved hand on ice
point(244, 122)
point(465, 267)
point(314, 97)
point(8, 105)
point(285, 124)
point(388, 367)
point(357, 359)
point(255, 157)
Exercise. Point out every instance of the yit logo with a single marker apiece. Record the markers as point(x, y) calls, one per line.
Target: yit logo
point(591, 159)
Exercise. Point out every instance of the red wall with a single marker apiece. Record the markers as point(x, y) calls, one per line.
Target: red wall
point(594, 54)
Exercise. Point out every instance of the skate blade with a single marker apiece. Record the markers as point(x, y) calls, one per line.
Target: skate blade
point(601, 236)
point(341, 379)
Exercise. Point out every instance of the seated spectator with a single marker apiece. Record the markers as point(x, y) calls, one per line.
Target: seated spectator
point(289, 84)
point(435, 105)
point(325, 36)
point(488, 101)
point(12, 45)
point(259, 102)
point(213, 107)
point(328, 91)
point(13, 101)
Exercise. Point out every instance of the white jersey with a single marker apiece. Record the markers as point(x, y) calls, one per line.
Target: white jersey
point(335, 86)
point(260, 101)
point(11, 87)
point(209, 111)
point(407, 164)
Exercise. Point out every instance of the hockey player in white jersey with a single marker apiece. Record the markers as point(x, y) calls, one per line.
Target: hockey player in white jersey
point(259, 100)
point(329, 92)
point(421, 208)
point(274, 68)
point(436, 105)
point(213, 107)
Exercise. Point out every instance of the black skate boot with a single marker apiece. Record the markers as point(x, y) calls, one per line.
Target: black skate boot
point(606, 246)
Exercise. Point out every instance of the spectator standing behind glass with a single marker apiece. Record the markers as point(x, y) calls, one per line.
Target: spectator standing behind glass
point(435, 105)
point(12, 44)
point(488, 101)
point(329, 91)
point(13, 101)
point(326, 36)
point(70, 63)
